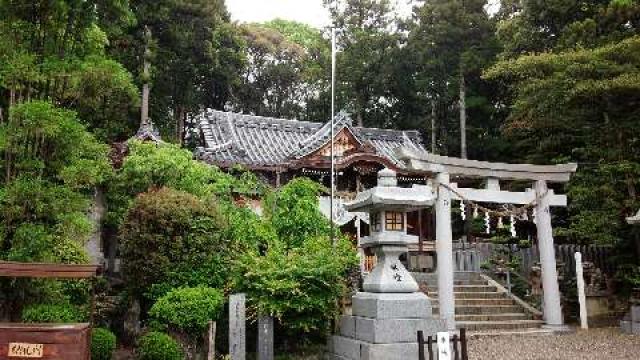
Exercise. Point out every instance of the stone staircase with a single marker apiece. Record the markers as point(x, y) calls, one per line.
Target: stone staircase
point(482, 306)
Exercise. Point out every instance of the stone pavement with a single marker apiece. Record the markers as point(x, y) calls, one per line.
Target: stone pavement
point(594, 344)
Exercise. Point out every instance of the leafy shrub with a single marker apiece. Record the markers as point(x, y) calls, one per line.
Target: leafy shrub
point(301, 287)
point(167, 227)
point(52, 313)
point(154, 166)
point(300, 277)
point(188, 309)
point(295, 213)
point(103, 344)
point(159, 346)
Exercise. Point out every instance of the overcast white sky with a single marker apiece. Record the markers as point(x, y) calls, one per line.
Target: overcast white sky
point(306, 11)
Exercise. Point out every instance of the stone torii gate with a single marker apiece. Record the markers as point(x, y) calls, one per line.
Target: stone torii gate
point(444, 168)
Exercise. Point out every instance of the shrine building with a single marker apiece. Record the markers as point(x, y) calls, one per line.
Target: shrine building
point(278, 150)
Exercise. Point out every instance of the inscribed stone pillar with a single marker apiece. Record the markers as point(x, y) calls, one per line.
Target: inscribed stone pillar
point(444, 249)
point(237, 324)
point(265, 338)
point(551, 291)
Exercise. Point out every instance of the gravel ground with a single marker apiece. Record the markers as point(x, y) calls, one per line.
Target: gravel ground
point(594, 344)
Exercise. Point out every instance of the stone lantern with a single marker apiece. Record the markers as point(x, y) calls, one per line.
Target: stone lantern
point(388, 205)
point(388, 314)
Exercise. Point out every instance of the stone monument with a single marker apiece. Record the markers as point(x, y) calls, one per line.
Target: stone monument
point(388, 314)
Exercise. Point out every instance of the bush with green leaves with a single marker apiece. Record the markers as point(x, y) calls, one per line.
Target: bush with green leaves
point(158, 346)
point(103, 344)
point(52, 313)
point(301, 276)
point(169, 235)
point(294, 213)
point(301, 286)
point(149, 166)
point(188, 310)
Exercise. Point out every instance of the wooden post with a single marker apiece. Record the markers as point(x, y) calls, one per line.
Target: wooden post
point(463, 344)
point(211, 344)
point(421, 345)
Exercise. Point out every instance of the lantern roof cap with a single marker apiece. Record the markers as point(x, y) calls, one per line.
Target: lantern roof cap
point(388, 196)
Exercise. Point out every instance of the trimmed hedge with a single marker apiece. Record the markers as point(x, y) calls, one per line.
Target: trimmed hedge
point(188, 309)
point(159, 346)
point(103, 344)
point(51, 313)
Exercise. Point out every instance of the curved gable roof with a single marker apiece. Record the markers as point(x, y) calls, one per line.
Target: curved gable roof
point(256, 141)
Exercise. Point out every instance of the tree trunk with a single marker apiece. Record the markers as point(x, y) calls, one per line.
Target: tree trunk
point(463, 118)
point(433, 126)
point(180, 116)
point(360, 120)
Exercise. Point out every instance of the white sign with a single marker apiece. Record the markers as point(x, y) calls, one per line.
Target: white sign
point(444, 348)
point(25, 350)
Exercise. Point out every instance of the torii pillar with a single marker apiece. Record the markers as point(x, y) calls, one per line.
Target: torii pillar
point(551, 290)
point(444, 249)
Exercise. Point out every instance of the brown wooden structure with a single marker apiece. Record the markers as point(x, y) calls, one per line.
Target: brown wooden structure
point(47, 341)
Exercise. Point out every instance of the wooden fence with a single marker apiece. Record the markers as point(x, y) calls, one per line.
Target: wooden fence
point(472, 257)
point(458, 346)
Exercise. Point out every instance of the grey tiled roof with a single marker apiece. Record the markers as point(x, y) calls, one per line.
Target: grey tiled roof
point(256, 141)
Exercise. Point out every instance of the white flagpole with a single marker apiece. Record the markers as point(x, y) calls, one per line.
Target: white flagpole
point(333, 93)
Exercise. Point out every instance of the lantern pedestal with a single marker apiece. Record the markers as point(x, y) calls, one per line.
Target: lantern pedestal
point(384, 326)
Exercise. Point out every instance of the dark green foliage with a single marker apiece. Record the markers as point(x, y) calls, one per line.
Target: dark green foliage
point(52, 313)
point(168, 231)
point(286, 74)
point(188, 310)
point(103, 344)
point(368, 40)
point(158, 346)
point(55, 50)
point(593, 92)
point(535, 25)
point(196, 57)
point(451, 42)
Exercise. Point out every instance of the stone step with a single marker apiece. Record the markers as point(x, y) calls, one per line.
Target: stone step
point(467, 288)
point(459, 275)
point(494, 317)
point(501, 325)
point(472, 295)
point(455, 282)
point(483, 302)
point(512, 332)
point(483, 309)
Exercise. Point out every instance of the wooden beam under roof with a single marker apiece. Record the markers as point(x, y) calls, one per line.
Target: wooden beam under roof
point(425, 161)
point(47, 270)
